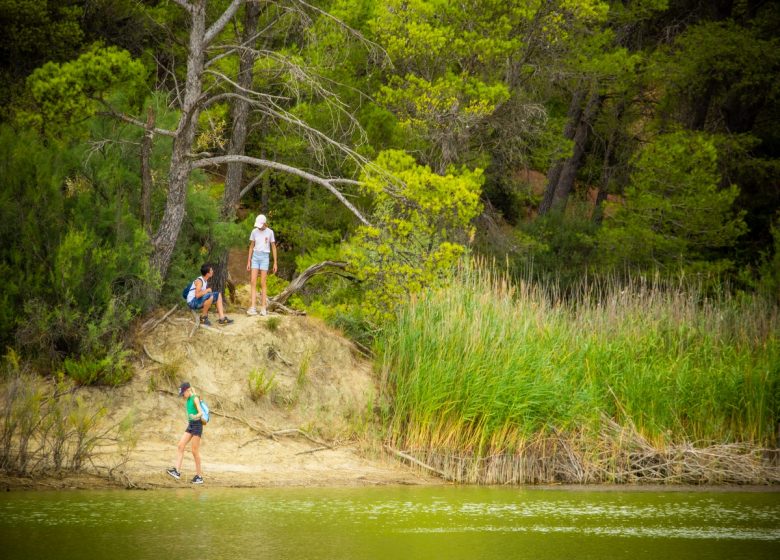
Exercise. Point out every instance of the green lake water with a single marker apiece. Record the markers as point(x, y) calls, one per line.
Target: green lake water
point(397, 523)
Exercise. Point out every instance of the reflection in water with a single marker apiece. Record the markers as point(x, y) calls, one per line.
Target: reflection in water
point(351, 523)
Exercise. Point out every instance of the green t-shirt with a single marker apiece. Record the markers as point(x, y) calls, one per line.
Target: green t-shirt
point(191, 408)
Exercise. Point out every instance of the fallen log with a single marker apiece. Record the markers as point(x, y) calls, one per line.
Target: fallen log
point(411, 459)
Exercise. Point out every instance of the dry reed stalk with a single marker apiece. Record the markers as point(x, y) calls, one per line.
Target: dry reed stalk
point(620, 454)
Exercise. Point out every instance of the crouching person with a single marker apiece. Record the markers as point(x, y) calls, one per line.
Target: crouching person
point(202, 297)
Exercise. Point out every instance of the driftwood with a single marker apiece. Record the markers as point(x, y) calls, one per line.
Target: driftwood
point(151, 324)
point(273, 353)
point(411, 459)
point(146, 351)
point(269, 433)
point(316, 449)
point(297, 431)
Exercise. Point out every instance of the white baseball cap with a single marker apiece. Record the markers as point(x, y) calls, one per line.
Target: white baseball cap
point(260, 220)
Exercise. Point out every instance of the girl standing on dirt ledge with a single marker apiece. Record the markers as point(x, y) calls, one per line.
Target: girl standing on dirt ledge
point(261, 244)
point(194, 432)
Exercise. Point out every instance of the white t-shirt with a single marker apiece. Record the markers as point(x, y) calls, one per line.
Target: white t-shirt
point(191, 293)
point(263, 239)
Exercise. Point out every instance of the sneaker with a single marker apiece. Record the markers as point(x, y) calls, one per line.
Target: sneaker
point(197, 479)
point(251, 311)
point(204, 320)
point(174, 473)
point(263, 312)
point(225, 321)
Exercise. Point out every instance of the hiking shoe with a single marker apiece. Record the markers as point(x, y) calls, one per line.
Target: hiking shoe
point(263, 312)
point(204, 320)
point(197, 479)
point(225, 321)
point(174, 473)
point(251, 311)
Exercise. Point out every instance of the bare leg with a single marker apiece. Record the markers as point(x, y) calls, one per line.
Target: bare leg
point(263, 299)
point(220, 306)
point(253, 288)
point(180, 449)
point(205, 311)
point(196, 454)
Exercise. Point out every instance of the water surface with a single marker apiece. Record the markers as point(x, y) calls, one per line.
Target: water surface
point(389, 523)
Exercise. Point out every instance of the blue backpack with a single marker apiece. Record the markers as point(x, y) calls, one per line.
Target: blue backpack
point(205, 409)
point(186, 291)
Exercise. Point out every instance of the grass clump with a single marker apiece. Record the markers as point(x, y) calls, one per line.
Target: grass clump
point(303, 367)
point(273, 323)
point(260, 384)
point(486, 366)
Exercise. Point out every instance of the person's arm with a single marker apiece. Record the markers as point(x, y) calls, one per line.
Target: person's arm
point(273, 250)
point(199, 291)
point(199, 415)
point(249, 256)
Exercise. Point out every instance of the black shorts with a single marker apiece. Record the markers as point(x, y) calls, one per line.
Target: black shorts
point(195, 427)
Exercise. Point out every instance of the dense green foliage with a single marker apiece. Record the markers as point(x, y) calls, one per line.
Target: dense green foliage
point(654, 123)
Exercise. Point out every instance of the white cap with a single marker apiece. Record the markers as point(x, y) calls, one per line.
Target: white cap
point(260, 221)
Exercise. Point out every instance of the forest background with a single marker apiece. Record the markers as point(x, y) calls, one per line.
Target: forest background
point(586, 148)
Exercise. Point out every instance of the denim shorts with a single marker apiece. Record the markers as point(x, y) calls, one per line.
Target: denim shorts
point(195, 427)
point(260, 260)
point(198, 302)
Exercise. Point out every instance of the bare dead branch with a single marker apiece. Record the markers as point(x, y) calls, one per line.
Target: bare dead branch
point(372, 46)
point(158, 321)
point(304, 277)
point(251, 184)
point(220, 160)
point(111, 112)
point(412, 460)
point(219, 25)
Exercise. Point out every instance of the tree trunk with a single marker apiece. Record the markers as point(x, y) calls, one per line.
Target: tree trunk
point(553, 175)
point(146, 172)
point(573, 163)
point(237, 145)
point(164, 240)
point(606, 168)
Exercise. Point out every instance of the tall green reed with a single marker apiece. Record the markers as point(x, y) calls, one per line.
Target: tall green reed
point(484, 364)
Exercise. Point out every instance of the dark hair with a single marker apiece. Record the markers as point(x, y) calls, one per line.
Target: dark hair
point(205, 269)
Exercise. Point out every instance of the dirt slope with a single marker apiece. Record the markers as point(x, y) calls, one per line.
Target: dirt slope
point(321, 386)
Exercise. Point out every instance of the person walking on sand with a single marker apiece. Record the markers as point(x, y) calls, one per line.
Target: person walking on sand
point(193, 433)
point(262, 244)
point(201, 297)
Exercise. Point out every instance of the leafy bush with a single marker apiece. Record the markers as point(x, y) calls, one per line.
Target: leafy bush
point(76, 258)
point(112, 369)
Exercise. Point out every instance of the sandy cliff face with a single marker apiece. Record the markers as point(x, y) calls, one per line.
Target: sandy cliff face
point(321, 386)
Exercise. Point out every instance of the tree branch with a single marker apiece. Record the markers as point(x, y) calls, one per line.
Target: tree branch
point(327, 183)
point(130, 120)
point(304, 277)
point(250, 185)
point(354, 32)
point(184, 4)
point(206, 101)
point(219, 25)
